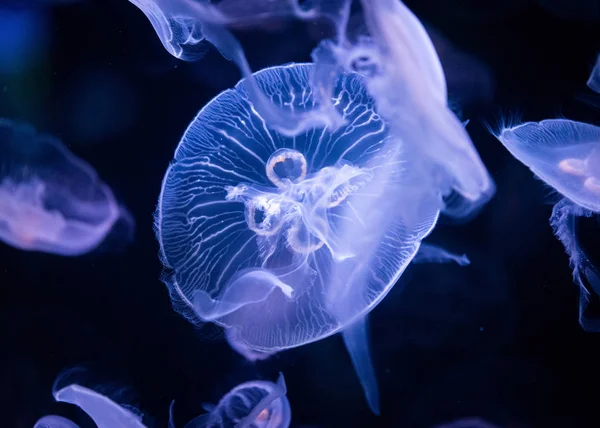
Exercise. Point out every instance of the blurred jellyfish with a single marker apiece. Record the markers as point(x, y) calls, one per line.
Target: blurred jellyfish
point(594, 80)
point(467, 423)
point(255, 404)
point(104, 412)
point(23, 34)
point(566, 155)
point(50, 200)
point(53, 421)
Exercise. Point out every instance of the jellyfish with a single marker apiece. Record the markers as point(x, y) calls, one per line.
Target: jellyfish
point(50, 200)
point(104, 412)
point(53, 421)
point(288, 240)
point(296, 200)
point(255, 404)
point(566, 155)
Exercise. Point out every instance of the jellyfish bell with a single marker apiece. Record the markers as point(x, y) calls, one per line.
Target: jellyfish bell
point(256, 404)
point(285, 240)
point(563, 153)
point(103, 411)
point(53, 421)
point(50, 200)
point(566, 155)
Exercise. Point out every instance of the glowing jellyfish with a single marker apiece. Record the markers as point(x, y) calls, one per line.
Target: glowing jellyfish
point(338, 170)
point(288, 240)
point(50, 200)
point(255, 404)
point(104, 412)
point(53, 421)
point(566, 155)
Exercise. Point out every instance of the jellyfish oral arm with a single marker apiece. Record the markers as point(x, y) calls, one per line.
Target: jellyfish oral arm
point(356, 339)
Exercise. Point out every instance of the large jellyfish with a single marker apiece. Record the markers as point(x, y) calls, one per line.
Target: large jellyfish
point(104, 412)
point(255, 404)
point(288, 240)
point(566, 155)
point(296, 200)
point(50, 200)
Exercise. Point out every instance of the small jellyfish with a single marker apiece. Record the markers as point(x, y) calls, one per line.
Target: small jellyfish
point(255, 404)
point(566, 155)
point(50, 200)
point(286, 240)
point(53, 421)
point(104, 412)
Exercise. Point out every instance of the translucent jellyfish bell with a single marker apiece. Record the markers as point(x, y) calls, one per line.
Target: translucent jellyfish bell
point(566, 155)
point(50, 200)
point(255, 404)
point(286, 240)
point(104, 412)
point(53, 421)
point(563, 153)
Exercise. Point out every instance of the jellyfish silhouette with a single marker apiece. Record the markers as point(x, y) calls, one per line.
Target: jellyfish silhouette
point(255, 404)
point(50, 200)
point(566, 155)
point(104, 412)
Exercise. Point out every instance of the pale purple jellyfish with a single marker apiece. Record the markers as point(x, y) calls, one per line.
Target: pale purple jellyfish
point(565, 154)
point(254, 404)
point(104, 412)
point(50, 200)
point(296, 200)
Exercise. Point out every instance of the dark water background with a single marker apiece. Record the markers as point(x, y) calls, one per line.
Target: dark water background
point(499, 339)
